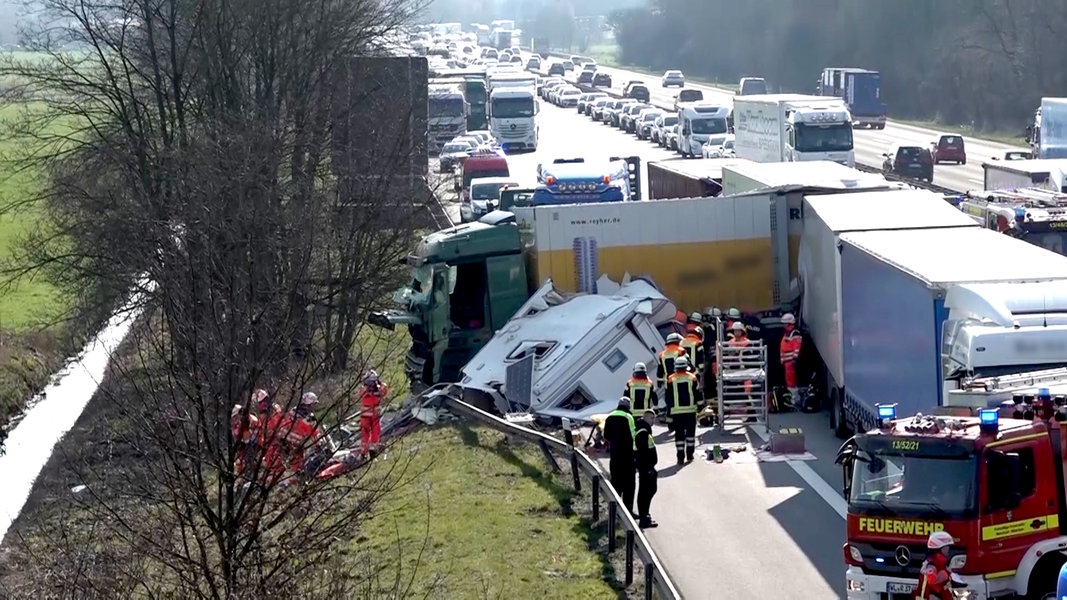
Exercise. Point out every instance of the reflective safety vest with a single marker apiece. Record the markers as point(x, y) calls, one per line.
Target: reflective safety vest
point(666, 362)
point(630, 420)
point(639, 390)
point(694, 349)
point(681, 393)
point(789, 349)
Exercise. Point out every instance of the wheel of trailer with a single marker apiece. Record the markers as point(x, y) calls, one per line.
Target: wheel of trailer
point(838, 421)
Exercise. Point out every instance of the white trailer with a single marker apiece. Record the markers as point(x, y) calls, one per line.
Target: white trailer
point(793, 128)
point(1016, 174)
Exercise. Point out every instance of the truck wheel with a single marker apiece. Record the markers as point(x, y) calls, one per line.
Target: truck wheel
point(1042, 584)
point(838, 420)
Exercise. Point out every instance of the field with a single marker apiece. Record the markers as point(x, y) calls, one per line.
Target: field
point(31, 345)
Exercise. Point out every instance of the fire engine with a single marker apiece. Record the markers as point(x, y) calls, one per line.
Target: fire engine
point(988, 468)
point(1037, 215)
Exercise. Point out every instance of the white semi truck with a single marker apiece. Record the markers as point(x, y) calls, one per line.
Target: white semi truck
point(793, 128)
point(447, 113)
point(513, 109)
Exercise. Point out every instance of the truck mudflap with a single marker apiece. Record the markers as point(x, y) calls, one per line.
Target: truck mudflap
point(634, 164)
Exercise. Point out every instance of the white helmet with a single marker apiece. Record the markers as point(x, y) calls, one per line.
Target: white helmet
point(640, 368)
point(681, 363)
point(713, 311)
point(310, 399)
point(674, 338)
point(939, 539)
point(733, 313)
point(236, 410)
point(696, 317)
point(738, 326)
point(788, 319)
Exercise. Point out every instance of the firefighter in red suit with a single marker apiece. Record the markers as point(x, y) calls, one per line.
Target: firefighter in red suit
point(370, 411)
point(789, 352)
point(934, 577)
point(244, 427)
point(301, 431)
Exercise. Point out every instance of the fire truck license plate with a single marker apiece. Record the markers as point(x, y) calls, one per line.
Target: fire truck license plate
point(900, 588)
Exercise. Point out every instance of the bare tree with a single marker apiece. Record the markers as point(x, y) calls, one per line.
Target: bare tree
point(196, 151)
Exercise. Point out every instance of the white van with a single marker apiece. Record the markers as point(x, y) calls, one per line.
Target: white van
point(696, 122)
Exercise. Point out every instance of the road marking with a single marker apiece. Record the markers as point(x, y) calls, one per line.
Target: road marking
point(818, 485)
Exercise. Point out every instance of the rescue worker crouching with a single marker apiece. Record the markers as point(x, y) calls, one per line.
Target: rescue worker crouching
point(683, 395)
point(640, 391)
point(620, 431)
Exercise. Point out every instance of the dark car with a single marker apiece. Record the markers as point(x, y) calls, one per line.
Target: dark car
point(637, 91)
point(949, 148)
point(585, 78)
point(556, 69)
point(914, 162)
point(602, 80)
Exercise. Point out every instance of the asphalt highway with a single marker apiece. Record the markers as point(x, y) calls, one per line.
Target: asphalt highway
point(869, 143)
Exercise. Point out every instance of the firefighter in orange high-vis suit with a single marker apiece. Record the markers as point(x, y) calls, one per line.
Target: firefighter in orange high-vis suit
point(370, 411)
point(740, 340)
point(789, 351)
point(666, 357)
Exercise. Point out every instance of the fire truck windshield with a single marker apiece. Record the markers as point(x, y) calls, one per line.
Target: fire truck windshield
point(911, 476)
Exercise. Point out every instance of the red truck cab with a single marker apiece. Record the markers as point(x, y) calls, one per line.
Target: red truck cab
point(477, 166)
point(994, 481)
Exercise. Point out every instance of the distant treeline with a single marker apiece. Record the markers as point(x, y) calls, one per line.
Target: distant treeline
point(980, 63)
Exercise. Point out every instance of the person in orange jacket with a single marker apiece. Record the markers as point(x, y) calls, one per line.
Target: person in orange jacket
point(789, 353)
point(370, 411)
point(244, 426)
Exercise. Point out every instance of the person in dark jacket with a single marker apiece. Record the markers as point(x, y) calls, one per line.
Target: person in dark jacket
point(619, 432)
point(646, 469)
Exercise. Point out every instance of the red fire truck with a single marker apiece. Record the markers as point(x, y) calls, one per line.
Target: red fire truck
point(992, 477)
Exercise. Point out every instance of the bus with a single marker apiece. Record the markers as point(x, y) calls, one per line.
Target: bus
point(576, 181)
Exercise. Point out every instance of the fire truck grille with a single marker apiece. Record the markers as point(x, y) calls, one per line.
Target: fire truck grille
point(888, 559)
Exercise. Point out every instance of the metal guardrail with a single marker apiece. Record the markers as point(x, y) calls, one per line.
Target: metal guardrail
point(933, 187)
point(636, 545)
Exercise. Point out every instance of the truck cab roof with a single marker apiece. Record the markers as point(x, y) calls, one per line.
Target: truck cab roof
point(469, 241)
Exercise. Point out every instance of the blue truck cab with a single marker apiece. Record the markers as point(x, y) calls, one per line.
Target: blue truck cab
point(861, 89)
point(576, 181)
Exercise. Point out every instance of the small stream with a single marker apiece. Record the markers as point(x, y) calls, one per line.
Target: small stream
point(52, 414)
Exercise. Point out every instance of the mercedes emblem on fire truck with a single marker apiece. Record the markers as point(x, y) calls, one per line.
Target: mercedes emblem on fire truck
point(903, 555)
point(513, 126)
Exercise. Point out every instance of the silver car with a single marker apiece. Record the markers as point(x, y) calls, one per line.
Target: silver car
point(673, 77)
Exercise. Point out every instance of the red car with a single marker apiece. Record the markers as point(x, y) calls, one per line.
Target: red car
point(949, 148)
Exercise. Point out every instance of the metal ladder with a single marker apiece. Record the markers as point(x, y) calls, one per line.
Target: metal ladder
point(742, 381)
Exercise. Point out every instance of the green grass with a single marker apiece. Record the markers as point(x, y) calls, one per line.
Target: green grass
point(492, 523)
point(32, 302)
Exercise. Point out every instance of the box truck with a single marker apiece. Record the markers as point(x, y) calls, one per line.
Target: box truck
point(680, 178)
point(792, 128)
point(901, 305)
point(861, 89)
point(1048, 135)
point(1049, 174)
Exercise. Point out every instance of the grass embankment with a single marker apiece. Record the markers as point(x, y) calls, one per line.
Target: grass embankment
point(493, 521)
point(478, 517)
point(32, 345)
point(608, 55)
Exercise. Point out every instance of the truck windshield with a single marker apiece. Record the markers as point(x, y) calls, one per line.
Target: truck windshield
point(513, 108)
point(911, 476)
point(824, 138)
point(709, 125)
point(445, 107)
point(488, 191)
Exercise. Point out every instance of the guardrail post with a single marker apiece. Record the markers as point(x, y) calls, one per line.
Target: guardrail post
point(549, 459)
point(613, 510)
point(629, 557)
point(576, 473)
point(596, 498)
point(650, 576)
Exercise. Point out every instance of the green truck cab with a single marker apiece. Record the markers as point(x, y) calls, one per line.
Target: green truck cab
point(467, 281)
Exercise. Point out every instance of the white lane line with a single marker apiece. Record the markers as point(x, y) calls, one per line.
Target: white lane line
point(818, 485)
